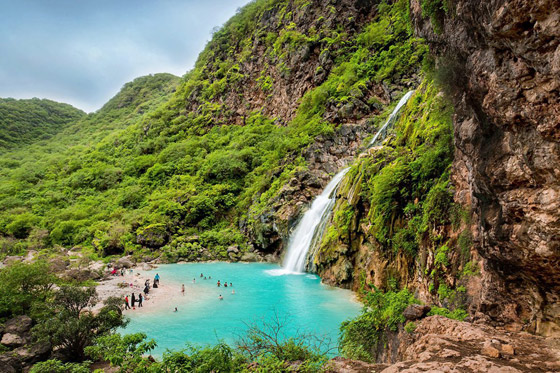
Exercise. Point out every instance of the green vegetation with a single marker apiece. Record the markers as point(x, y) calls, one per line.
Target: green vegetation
point(25, 288)
point(57, 366)
point(382, 313)
point(262, 347)
point(157, 169)
point(457, 314)
point(410, 327)
point(71, 326)
point(187, 167)
point(435, 10)
point(26, 121)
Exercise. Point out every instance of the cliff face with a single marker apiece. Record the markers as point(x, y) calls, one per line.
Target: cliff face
point(501, 61)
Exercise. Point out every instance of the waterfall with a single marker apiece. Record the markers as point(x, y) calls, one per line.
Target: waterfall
point(310, 228)
point(391, 118)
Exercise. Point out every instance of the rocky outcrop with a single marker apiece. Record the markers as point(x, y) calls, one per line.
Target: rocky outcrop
point(22, 354)
point(501, 63)
point(439, 344)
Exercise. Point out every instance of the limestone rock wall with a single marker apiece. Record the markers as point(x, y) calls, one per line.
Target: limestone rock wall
point(501, 62)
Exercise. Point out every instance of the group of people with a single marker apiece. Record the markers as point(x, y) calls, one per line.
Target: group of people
point(130, 303)
point(225, 284)
point(140, 299)
point(133, 300)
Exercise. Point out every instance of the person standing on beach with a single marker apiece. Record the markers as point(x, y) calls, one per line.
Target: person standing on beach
point(140, 298)
point(133, 300)
point(126, 306)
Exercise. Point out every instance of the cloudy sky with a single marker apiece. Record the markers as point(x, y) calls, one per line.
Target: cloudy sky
point(82, 51)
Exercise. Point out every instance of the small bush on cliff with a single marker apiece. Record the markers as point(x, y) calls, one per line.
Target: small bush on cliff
point(457, 314)
point(360, 338)
point(57, 366)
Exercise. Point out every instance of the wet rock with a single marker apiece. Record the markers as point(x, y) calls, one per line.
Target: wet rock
point(416, 311)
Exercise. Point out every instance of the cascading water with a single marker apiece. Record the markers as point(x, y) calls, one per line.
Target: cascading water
point(392, 117)
point(311, 227)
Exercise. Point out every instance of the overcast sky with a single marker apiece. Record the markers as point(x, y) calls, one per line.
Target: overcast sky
point(83, 51)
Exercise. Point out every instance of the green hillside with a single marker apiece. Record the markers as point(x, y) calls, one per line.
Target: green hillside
point(26, 121)
point(188, 172)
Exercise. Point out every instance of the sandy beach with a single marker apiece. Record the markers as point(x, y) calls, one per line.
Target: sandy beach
point(165, 296)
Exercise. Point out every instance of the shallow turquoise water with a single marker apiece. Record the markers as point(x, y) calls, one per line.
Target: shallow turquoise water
point(204, 319)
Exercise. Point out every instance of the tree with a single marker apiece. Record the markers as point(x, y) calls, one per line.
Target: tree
point(73, 326)
point(24, 288)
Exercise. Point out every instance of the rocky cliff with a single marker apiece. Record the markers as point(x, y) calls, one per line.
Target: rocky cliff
point(501, 63)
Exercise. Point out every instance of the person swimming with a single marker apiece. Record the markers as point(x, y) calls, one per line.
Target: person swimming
point(219, 283)
point(232, 291)
point(201, 275)
point(194, 280)
point(220, 297)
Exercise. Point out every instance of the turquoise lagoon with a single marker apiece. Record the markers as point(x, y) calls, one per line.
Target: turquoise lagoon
point(260, 294)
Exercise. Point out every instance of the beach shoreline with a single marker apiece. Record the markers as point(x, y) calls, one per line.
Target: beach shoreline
point(158, 299)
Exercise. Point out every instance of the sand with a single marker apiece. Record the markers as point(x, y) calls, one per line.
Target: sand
point(163, 297)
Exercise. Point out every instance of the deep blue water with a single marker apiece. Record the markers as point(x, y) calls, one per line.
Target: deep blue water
point(203, 319)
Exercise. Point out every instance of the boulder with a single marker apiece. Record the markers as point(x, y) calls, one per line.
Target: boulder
point(416, 311)
point(490, 349)
point(508, 350)
point(18, 325)
point(233, 249)
point(13, 259)
point(9, 363)
point(249, 257)
point(125, 262)
point(12, 340)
